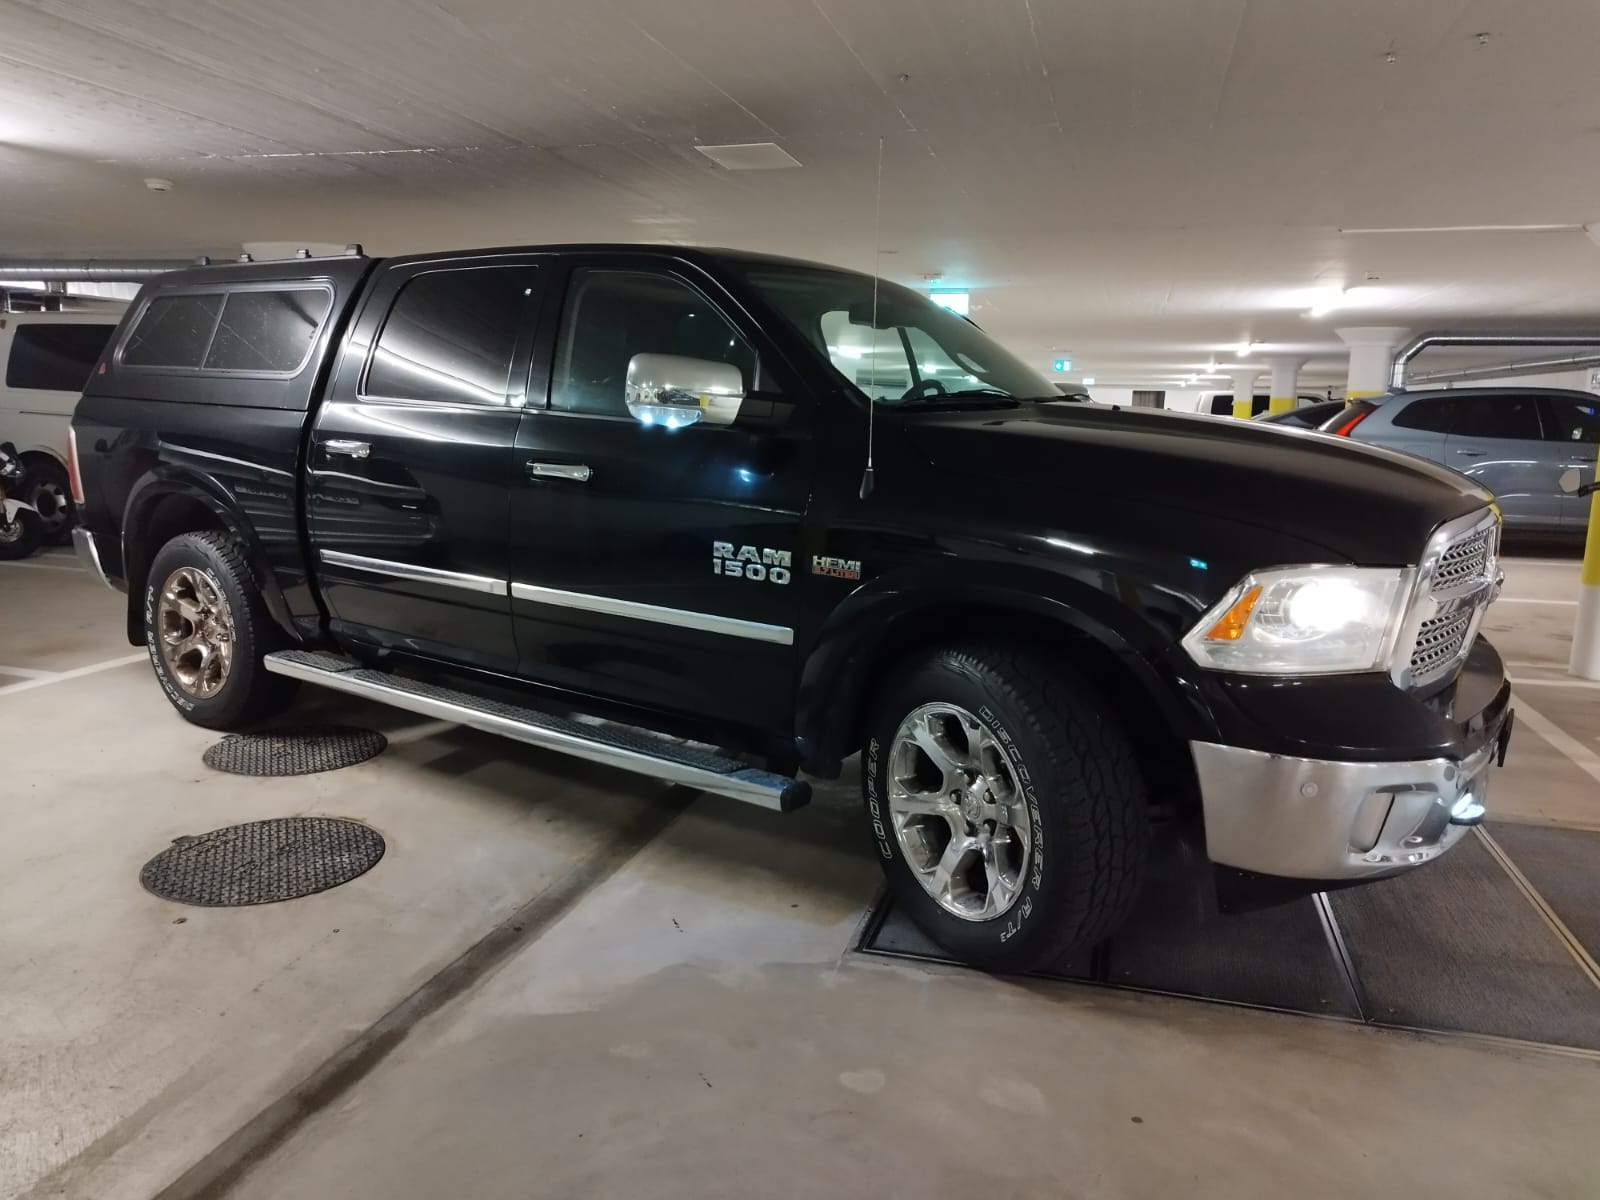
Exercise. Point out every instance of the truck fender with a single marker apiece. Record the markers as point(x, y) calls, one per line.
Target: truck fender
point(893, 615)
point(164, 482)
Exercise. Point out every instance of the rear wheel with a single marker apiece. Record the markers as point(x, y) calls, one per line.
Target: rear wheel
point(207, 629)
point(20, 536)
point(47, 489)
point(1006, 804)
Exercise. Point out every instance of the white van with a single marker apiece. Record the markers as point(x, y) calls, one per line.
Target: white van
point(47, 359)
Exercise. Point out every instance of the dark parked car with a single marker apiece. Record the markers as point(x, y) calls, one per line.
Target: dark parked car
point(792, 516)
point(1514, 441)
point(1307, 416)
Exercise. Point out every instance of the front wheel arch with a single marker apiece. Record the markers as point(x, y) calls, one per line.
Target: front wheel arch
point(842, 681)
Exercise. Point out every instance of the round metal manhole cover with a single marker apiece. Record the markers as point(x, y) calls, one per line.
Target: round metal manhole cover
point(263, 862)
point(300, 751)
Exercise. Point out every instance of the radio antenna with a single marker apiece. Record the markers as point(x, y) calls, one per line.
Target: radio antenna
point(867, 479)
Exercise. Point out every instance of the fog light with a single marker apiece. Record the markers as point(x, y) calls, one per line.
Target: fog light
point(1466, 811)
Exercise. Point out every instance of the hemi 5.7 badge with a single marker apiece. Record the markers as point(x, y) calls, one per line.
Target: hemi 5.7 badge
point(836, 568)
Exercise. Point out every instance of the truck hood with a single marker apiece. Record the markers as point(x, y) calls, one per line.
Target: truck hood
point(1368, 505)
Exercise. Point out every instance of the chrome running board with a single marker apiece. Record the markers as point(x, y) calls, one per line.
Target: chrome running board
point(605, 742)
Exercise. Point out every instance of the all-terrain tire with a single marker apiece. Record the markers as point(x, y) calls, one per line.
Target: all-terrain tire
point(1086, 802)
point(247, 692)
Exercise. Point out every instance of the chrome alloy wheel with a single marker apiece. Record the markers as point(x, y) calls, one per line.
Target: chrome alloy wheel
point(195, 629)
point(959, 813)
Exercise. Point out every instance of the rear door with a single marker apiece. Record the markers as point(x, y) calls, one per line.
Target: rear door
point(1572, 438)
point(652, 565)
point(410, 461)
point(1414, 426)
point(1498, 440)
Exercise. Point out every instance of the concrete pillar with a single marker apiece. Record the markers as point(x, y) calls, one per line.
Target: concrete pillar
point(1244, 392)
point(1372, 350)
point(1285, 383)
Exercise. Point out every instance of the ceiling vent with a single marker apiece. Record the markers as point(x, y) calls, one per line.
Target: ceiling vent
point(750, 156)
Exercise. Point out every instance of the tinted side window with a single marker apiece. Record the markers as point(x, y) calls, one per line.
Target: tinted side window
point(173, 331)
point(613, 315)
point(55, 358)
point(1572, 421)
point(1432, 416)
point(267, 331)
point(451, 336)
point(1498, 417)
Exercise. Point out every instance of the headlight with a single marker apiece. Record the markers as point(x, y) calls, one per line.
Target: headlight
point(1304, 621)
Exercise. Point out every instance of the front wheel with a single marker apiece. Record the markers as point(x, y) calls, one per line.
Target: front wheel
point(207, 628)
point(1006, 804)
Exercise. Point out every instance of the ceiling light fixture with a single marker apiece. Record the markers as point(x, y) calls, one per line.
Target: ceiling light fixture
point(750, 156)
point(1243, 349)
point(1462, 229)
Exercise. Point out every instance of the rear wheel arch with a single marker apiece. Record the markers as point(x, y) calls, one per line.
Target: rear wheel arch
point(164, 509)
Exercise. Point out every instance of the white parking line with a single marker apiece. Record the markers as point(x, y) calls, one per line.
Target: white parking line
point(39, 566)
point(1534, 600)
point(1581, 756)
point(75, 673)
point(1525, 681)
point(25, 672)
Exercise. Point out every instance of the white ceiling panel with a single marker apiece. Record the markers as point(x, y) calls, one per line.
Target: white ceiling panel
point(1142, 184)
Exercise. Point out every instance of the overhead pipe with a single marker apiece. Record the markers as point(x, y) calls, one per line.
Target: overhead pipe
point(1397, 375)
point(1532, 366)
point(90, 270)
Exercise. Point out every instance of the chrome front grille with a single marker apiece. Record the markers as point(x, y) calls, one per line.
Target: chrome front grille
point(1465, 563)
point(1458, 576)
point(1439, 644)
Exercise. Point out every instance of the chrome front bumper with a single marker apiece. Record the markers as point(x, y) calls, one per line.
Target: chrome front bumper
point(1306, 818)
point(89, 554)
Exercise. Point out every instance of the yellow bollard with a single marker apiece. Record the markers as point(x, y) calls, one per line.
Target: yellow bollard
point(1585, 661)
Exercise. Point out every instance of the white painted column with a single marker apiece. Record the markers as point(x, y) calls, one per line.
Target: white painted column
point(1372, 350)
point(1244, 392)
point(1285, 383)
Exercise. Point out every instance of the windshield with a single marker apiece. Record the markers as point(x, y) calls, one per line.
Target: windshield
point(918, 356)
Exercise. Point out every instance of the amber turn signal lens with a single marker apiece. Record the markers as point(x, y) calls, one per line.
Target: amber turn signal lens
point(1231, 627)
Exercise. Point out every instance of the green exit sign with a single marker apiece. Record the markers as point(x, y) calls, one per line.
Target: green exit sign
point(1062, 365)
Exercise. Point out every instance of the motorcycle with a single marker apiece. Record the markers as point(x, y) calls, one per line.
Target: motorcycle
point(21, 528)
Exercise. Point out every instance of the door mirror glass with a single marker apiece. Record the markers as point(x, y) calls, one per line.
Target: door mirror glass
point(670, 390)
point(1570, 480)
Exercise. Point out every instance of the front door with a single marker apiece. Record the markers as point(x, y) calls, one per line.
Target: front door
point(1498, 439)
point(1572, 437)
point(411, 461)
point(652, 565)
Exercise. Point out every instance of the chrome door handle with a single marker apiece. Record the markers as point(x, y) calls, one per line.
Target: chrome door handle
point(1472, 453)
point(573, 472)
point(343, 446)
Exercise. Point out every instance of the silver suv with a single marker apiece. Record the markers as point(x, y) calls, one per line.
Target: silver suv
point(1514, 441)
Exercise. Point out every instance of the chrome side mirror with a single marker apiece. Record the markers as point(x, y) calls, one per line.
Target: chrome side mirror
point(666, 389)
point(1570, 481)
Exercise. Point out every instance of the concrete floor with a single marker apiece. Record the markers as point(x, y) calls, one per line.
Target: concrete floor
point(565, 982)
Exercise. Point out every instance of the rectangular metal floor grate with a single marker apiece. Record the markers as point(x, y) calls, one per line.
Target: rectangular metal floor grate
point(1454, 947)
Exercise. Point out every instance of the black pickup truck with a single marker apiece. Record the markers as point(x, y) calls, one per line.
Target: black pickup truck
point(728, 519)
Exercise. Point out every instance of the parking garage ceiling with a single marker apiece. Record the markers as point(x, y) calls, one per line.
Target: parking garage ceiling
point(1139, 185)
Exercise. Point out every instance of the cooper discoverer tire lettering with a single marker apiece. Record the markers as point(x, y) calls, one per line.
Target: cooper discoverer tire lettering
point(1006, 804)
point(206, 629)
